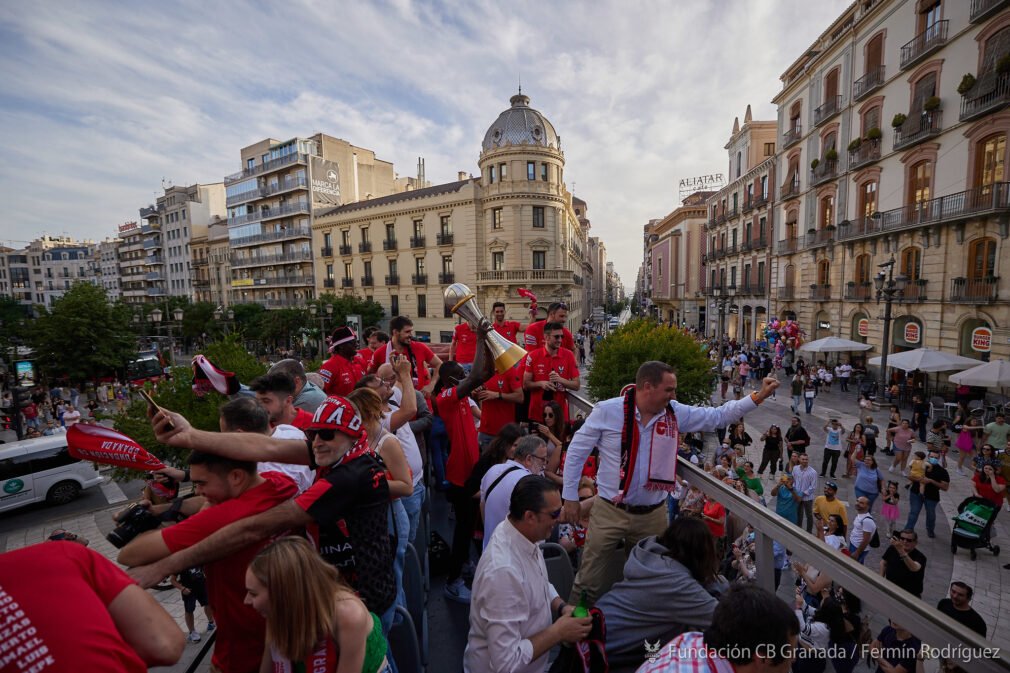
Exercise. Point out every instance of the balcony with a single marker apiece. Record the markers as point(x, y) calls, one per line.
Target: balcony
point(156, 292)
point(983, 9)
point(329, 283)
point(153, 276)
point(367, 281)
point(326, 251)
point(417, 241)
point(974, 290)
point(819, 237)
point(748, 205)
point(917, 128)
point(792, 136)
point(720, 218)
point(346, 282)
point(444, 239)
point(867, 153)
point(419, 279)
point(272, 281)
point(156, 259)
point(201, 283)
point(868, 83)
point(731, 250)
point(278, 235)
point(719, 253)
point(446, 278)
point(788, 245)
point(526, 276)
point(711, 223)
point(990, 93)
point(820, 292)
point(389, 244)
point(787, 292)
point(199, 261)
point(753, 289)
point(859, 291)
point(915, 291)
point(754, 244)
point(924, 44)
point(365, 246)
point(825, 170)
point(732, 212)
point(345, 249)
point(393, 279)
point(790, 190)
point(264, 214)
point(829, 109)
point(152, 243)
point(298, 182)
point(149, 212)
point(238, 261)
point(958, 207)
point(268, 166)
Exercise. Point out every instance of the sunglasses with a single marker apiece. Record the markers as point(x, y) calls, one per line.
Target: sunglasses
point(548, 415)
point(325, 434)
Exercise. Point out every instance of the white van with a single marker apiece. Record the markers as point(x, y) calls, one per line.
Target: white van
point(34, 470)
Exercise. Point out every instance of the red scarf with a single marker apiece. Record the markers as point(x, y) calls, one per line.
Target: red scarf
point(662, 468)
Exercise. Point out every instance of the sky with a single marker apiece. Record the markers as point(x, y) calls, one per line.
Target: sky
point(102, 101)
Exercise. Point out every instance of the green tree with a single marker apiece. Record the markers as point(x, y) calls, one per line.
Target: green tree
point(83, 337)
point(626, 348)
point(14, 322)
point(371, 312)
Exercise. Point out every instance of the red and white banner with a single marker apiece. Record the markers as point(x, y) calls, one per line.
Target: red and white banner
point(981, 339)
point(104, 445)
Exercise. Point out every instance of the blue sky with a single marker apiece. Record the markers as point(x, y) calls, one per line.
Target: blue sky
point(101, 100)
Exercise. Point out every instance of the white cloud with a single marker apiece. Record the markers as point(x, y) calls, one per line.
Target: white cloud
point(101, 103)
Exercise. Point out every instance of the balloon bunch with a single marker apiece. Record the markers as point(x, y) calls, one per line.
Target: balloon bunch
point(784, 332)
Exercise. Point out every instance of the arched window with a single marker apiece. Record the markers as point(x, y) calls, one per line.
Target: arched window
point(982, 258)
point(875, 52)
point(911, 263)
point(923, 89)
point(990, 158)
point(831, 86)
point(996, 47)
point(827, 211)
point(794, 115)
point(829, 143)
point(824, 273)
point(867, 199)
point(871, 120)
point(790, 276)
point(920, 182)
point(863, 267)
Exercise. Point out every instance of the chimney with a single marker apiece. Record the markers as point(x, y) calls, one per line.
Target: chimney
point(461, 175)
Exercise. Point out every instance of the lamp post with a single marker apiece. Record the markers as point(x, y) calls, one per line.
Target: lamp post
point(327, 315)
point(888, 287)
point(219, 314)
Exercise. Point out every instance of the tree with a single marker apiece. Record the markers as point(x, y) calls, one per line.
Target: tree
point(626, 348)
point(371, 312)
point(14, 320)
point(83, 337)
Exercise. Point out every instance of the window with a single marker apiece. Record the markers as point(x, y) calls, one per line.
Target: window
point(871, 120)
point(990, 159)
point(925, 88)
point(445, 337)
point(863, 268)
point(502, 171)
point(491, 173)
point(831, 86)
point(739, 163)
point(539, 259)
point(769, 149)
point(746, 274)
point(347, 270)
point(390, 231)
point(394, 304)
point(364, 235)
point(543, 172)
point(929, 15)
point(824, 273)
point(760, 280)
point(496, 218)
point(538, 217)
point(531, 170)
point(736, 200)
point(418, 228)
point(732, 276)
point(393, 267)
point(345, 236)
point(875, 53)
point(794, 116)
point(497, 261)
point(762, 227)
point(250, 164)
point(911, 263)
point(733, 234)
point(419, 265)
point(764, 183)
point(368, 269)
point(329, 271)
point(867, 199)
point(827, 211)
point(748, 231)
point(445, 224)
point(422, 306)
point(982, 259)
point(327, 240)
point(447, 264)
point(920, 183)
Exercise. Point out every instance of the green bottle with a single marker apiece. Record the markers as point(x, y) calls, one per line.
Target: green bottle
point(581, 611)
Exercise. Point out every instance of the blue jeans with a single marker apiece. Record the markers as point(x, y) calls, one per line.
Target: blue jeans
point(439, 440)
point(672, 507)
point(808, 402)
point(399, 525)
point(862, 557)
point(872, 497)
point(386, 621)
point(915, 504)
point(412, 505)
point(796, 403)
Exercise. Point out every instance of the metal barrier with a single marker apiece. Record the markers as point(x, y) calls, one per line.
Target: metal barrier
point(930, 625)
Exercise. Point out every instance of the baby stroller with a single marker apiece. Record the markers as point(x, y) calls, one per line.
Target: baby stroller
point(972, 527)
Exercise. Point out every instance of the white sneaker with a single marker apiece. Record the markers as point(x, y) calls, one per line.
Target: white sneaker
point(891, 468)
point(457, 591)
point(194, 637)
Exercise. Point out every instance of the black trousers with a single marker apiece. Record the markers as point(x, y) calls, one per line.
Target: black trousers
point(466, 509)
point(832, 456)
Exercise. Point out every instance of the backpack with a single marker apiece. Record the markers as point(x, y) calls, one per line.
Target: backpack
point(875, 539)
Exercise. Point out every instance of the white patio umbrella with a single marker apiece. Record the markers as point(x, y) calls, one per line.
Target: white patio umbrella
point(995, 374)
point(926, 360)
point(834, 345)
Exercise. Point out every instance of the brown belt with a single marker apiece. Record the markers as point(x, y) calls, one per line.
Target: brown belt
point(634, 509)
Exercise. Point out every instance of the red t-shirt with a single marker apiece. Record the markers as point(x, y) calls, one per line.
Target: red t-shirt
point(422, 355)
point(339, 375)
point(495, 413)
point(464, 451)
point(466, 343)
point(364, 358)
point(241, 630)
point(716, 511)
point(508, 329)
point(302, 419)
point(540, 363)
point(53, 607)
point(535, 337)
point(986, 490)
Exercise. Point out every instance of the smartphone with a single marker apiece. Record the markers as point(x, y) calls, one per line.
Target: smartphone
point(153, 407)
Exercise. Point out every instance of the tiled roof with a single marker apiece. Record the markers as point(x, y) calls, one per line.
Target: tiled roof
point(437, 190)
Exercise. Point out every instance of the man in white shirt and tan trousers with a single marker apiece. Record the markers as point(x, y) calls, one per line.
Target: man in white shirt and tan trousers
point(637, 435)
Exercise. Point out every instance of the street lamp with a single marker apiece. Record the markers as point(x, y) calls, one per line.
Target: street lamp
point(313, 310)
point(888, 287)
point(219, 314)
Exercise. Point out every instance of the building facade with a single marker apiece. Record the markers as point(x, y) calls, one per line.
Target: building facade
point(271, 209)
point(107, 255)
point(46, 268)
point(890, 151)
point(514, 226)
point(675, 251)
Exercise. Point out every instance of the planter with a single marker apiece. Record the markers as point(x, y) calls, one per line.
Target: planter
point(855, 144)
point(831, 155)
point(932, 103)
point(851, 283)
point(967, 82)
point(829, 227)
point(815, 163)
point(898, 120)
point(874, 134)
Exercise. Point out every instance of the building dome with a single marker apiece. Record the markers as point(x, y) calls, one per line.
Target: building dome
point(519, 125)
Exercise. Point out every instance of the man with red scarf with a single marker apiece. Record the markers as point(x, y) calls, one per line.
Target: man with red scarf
point(637, 435)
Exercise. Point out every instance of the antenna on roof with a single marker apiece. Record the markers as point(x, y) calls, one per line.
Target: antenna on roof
point(520, 82)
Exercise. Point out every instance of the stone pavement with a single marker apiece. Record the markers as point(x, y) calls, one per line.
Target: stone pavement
point(985, 574)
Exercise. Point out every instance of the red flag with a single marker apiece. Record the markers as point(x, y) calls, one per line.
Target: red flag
point(523, 292)
point(104, 445)
point(207, 376)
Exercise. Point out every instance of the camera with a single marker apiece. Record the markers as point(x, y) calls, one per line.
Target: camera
point(135, 521)
point(531, 427)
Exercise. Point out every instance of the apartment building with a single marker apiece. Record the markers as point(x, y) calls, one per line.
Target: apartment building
point(893, 133)
point(106, 254)
point(675, 251)
point(45, 269)
point(271, 206)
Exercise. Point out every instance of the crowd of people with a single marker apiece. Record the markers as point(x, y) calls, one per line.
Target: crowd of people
point(308, 497)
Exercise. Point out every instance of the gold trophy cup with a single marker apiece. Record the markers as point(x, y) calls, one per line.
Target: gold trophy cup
point(460, 300)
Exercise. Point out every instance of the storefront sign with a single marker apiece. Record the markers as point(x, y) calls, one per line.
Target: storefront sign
point(912, 333)
point(981, 339)
point(863, 327)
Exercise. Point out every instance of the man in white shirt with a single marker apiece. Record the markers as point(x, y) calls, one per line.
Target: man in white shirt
point(496, 486)
point(71, 416)
point(843, 373)
point(630, 508)
point(516, 616)
point(805, 483)
point(862, 530)
point(245, 414)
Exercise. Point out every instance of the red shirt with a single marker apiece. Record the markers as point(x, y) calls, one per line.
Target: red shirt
point(495, 413)
point(53, 601)
point(240, 629)
point(540, 364)
point(986, 490)
point(339, 375)
point(466, 343)
point(716, 511)
point(455, 413)
point(535, 337)
point(508, 329)
point(302, 419)
point(422, 355)
point(364, 358)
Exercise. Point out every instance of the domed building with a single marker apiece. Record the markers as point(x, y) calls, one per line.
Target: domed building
point(514, 226)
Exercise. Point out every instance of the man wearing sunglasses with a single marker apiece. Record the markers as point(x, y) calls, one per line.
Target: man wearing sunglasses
point(551, 371)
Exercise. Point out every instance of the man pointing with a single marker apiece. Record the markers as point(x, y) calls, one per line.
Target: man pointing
point(637, 435)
